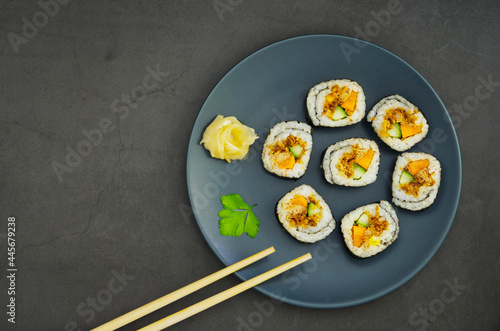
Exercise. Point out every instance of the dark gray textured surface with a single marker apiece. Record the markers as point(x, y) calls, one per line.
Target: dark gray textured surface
point(121, 210)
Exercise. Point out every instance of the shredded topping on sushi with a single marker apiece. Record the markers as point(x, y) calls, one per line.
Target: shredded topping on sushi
point(287, 152)
point(419, 170)
point(357, 156)
point(340, 96)
point(303, 212)
point(400, 123)
point(365, 236)
point(346, 162)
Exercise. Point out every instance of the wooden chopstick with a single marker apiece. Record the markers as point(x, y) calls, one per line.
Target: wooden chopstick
point(182, 292)
point(218, 298)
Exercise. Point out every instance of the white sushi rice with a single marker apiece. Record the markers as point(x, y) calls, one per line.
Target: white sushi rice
point(280, 132)
point(426, 194)
point(310, 234)
point(387, 237)
point(378, 112)
point(316, 100)
point(335, 152)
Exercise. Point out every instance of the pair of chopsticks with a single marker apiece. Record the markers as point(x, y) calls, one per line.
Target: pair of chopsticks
point(207, 303)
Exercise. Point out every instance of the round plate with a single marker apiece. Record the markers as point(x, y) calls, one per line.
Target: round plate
point(271, 86)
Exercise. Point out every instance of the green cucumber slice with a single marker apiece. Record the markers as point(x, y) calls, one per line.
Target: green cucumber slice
point(359, 171)
point(395, 131)
point(296, 150)
point(363, 220)
point(406, 178)
point(313, 209)
point(339, 114)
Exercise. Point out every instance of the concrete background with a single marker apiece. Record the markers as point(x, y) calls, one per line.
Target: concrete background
point(112, 223)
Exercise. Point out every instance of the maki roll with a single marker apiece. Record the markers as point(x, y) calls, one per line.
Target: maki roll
point(370, 229)
point(287, 149)
point(351, 162)
point(415, 181)
point(305, 215)
point(336, 103)
point(398, 122)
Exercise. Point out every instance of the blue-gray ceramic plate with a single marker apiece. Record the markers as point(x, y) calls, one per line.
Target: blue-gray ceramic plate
point(270, 86)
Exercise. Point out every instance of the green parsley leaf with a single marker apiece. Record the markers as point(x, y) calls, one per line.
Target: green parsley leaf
point(233, 201)
point(252, 224)
point(237, 217)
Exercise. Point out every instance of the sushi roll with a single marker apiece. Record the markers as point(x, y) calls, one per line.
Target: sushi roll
point(398, 122)
point(305, 215)
point(351, 162)
point(336, 103)
point(415, 180)
point(287, 149)
point(370, 229)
